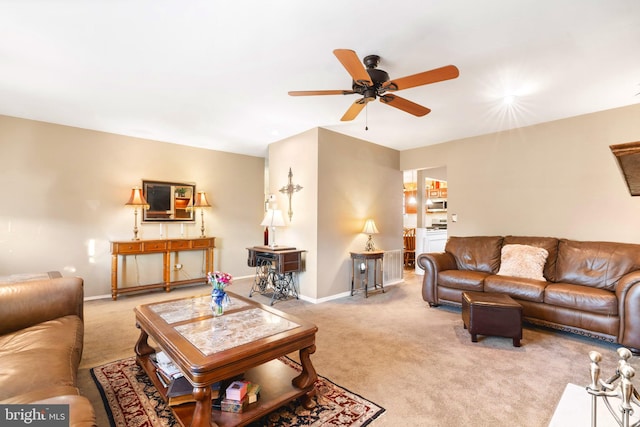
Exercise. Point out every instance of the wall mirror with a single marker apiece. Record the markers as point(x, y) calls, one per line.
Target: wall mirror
point(168, 201)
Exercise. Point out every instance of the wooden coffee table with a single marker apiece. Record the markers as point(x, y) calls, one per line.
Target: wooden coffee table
point(246, 340)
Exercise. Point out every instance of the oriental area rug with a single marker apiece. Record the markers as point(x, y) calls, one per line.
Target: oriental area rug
point(131, 400)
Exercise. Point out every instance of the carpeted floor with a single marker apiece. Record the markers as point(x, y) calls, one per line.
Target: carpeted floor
point(415, 361)
point(132, 400)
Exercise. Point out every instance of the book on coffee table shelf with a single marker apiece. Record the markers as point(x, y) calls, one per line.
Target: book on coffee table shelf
point(181, 386)
point(237, 390)
point(165, 366)
point(232, 401)
point(231, 405)
point(253, 392)
point(181, 391)
point(163, 379)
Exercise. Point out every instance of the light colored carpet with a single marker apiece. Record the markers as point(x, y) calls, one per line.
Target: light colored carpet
point(415, 361)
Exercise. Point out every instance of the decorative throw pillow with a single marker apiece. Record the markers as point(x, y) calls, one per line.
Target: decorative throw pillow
point(523, 261)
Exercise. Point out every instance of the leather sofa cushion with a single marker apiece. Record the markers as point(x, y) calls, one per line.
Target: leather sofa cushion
point(589, 323)
point(462, 279)
point(583, 298)
point(477, 253)
point(595, 264)
point(44, 355)
point(548, 243)
point(516, 287)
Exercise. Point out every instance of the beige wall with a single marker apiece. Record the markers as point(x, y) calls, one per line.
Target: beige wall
point(300, 154)
point(557, 179)
point(358, 180)
point(65, 190)
point(346, 181)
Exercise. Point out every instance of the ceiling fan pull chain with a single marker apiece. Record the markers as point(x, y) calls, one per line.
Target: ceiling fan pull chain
point(366, 116)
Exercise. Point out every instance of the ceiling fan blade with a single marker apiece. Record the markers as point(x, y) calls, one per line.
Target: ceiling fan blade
point(320, 92)
point(439, 74)
point(350, 61)
point(354, 110)
point(405, 105)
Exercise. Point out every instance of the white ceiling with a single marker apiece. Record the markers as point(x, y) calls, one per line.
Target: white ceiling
point(216, 74)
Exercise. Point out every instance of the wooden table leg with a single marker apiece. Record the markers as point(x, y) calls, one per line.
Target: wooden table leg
point(202, 411)
point(307, 377)
point(166, 270)
point(114, 277)
point(142, 347)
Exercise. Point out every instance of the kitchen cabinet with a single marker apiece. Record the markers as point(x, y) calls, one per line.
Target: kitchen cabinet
point(437, 193)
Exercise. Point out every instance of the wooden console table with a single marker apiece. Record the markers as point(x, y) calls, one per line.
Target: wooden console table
point(165, 247)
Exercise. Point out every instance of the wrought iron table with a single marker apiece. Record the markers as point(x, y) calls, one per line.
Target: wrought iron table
point(360, 263)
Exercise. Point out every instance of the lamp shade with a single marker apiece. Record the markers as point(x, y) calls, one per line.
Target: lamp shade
point(137, 199)
point(201, 200)
point(273, 218)
point(370, 227)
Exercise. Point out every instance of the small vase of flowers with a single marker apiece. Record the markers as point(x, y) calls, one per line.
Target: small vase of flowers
point(219, 298)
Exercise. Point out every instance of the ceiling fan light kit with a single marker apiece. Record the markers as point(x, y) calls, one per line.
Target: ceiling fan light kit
point(372, 83)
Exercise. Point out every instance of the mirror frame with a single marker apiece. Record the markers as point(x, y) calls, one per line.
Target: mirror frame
point(628, 156)
point(168, 201)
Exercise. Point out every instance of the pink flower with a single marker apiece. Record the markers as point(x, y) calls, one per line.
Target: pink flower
point(219, 280)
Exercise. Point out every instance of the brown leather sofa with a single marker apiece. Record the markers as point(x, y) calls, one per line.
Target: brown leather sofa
point(589, 288)
point(41, 338)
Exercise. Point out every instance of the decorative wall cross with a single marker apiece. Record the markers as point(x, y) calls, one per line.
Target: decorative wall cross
point(289, 189)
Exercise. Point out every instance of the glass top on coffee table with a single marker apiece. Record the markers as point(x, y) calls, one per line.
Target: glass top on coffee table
point(218, 334)
point(176, 311)
point(240, 325)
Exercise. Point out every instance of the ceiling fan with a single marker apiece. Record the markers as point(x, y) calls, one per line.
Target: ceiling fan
point(373, 83)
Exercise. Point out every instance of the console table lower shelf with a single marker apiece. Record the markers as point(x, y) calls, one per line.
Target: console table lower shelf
point(277, 390)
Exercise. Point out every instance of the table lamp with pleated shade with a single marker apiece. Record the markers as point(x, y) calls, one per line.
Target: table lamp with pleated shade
point(370, 229)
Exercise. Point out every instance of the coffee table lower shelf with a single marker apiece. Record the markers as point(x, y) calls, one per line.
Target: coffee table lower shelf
point(274, 377)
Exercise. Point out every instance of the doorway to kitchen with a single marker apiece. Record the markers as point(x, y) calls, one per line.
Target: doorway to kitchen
point(425, 204)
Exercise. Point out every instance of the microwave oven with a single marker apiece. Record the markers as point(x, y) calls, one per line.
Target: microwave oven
point(436, 205)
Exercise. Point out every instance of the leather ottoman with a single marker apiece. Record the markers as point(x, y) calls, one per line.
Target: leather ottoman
point(492, 314)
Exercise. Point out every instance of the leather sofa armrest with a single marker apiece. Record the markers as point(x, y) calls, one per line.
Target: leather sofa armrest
point(628, 294)
point(432, 263)
point(81, 412)
point(23, 304)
